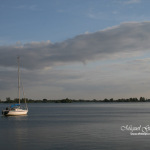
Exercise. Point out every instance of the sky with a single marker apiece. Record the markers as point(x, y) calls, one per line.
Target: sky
point(77, 49)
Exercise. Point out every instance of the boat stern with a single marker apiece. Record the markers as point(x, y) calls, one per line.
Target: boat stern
point(5, 112)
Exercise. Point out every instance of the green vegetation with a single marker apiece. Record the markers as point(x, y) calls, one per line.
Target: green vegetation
point(67, 100)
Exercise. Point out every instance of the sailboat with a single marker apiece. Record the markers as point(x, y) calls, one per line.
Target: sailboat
point(16, 109)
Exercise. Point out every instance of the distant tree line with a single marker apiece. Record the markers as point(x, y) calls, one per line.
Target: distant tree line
point(67, 100)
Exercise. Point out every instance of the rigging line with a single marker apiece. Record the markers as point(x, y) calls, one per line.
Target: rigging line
point(24, 95)
point(18, 78)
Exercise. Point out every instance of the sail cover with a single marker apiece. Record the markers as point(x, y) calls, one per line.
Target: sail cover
point(14, 105)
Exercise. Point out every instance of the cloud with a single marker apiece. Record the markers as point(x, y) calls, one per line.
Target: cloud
point(96, 14)
point(126, 37)
point(27, 7)
point(132, 1)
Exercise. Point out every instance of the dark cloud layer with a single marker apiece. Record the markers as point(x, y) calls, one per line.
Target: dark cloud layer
point(127, 37)
point(43, 80)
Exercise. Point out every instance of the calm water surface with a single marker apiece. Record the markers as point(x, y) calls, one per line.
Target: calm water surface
point(76, 126)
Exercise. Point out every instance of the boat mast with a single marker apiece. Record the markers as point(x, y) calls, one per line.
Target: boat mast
point(18, 79)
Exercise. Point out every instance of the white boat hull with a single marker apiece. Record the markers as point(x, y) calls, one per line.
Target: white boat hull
point(16, 112)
